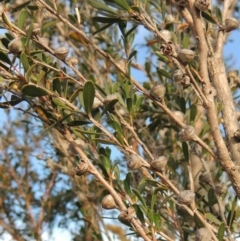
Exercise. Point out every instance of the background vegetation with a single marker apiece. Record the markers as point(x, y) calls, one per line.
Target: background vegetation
point(89, 148)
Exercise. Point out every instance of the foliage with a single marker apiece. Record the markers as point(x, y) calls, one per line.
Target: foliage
point(162, 153)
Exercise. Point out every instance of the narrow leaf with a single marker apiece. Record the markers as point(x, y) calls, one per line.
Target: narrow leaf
point(123, 4)
point(19, 7)
point(57, 86)
point(164, 73)
point(22, 18)
point(185, 151)
point(109, 106)
point(193, 112)
point(103, 28)
point(221, 231)
point(8, 104)
point(107, 20)
point(75, 94)
point(77, 37)
point(24, 61)
point(88, 96)
point(60, 104)
point(139, 196)
point(209, 17)
point(4, 58)
point(34, 91)
point(78, 123)
point(101, 6)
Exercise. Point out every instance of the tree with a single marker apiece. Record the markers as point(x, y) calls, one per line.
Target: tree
point(160, 155)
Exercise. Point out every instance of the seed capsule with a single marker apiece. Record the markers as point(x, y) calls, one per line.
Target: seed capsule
point(127, 215)
point(168, 49)
point(221, 188)
point(72, 61)
point(108, 202)
point(231, 24)
point(203, 234)
point(186, 197)
point(205, 177)
point(178, 75)
point(186, 55)
point(82, 167)
point(237, 134)
point(61, 52)
point(134, 162)
point(232, 74)
point(159, 163)
point(15, 46)
point(187, 133)
point(42, 43)
point(158, 91)
point(202, 5)
point(36, 28)
point(166, 34)
point(180, 116)
point(185, 82)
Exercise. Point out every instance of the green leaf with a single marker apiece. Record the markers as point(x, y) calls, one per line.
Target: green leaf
point(29, 72)
point(129, 104)
point(88, 96)
point(138, 103)
point(127, 184)
point(32, 8)
point(29, 34)
point(106, 164)
point(107, 20)
point(164, 73)
point(123, 4)
point(103, 28)
point(87, 132)
point(193, 112)
point(75, 94)
point(24, 61)
point(161, 57)
point(61, 104)
point(130, 30)
point(78, 123)
point(185, 151)
point(22, 18)
point(109, 106)
point(221, 231)
point(208, 16)
point(186, 40)
point(57, 86)
point(49, 24)
point(139, 213)
point(212, 218)
point(232, 213)
point(6, 20)
point(139, 196)
point(8, 104)
point(219, 14)
point(73, 18)
point(4, 58)
point(101, 6)
point(104, 141)
point(153, 201)
point(19, 7)
point(34, 91)
point(132, 54)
